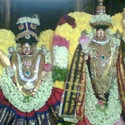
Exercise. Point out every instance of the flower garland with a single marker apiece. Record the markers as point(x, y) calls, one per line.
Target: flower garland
point(102, 17)
point(59, 84)
point(47, 54)
point(117, 23)
point(16, 98)
point(82, 20)
point(111, 112)
point(60, 58)
point(59, 74)
point(7, 39)
point(72, 34)
point(46, 38)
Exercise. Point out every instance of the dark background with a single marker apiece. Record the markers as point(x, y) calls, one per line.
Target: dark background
point(50, 11)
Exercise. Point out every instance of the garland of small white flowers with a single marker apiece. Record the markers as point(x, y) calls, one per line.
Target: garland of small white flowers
point(17, 99)
point(112, 111)
point(101, 17)
point(47, 54)
point(60, 58)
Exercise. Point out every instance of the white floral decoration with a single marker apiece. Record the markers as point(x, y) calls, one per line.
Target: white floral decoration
point(47, 54)
point(101, 17)
point(48, 58)
point(111, 113)
point(60, 56)
point(28, 20)
point(16, 98)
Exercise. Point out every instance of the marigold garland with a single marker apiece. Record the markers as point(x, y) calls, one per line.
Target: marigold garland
point(7, 39)
point(117, 22)
point(82, 20)
point(46, 38)
point(59, 84)
point(73, 34)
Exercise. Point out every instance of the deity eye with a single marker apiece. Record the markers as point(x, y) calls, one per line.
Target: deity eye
point(33, 26)
point(20, 27)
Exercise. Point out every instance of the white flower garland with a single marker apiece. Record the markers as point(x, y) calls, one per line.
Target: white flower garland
point(60, 58)
point(28, 20)
point(111, 112)
point(47, 54)
point(48, 57)
point(101, 17)
point(16, 98)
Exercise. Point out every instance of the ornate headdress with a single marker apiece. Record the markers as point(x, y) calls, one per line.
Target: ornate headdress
point(101, 18)
point(27, 28)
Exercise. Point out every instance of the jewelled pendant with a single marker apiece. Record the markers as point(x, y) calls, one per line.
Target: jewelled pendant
point(103, 57)
point(27, 73)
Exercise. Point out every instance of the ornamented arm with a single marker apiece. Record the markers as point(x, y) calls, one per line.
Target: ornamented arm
point(4, 59)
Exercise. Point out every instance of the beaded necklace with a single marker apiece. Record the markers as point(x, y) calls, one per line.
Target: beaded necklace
point(102, 42)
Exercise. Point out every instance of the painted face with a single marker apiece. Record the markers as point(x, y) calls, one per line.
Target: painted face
point(100, 34)
point(26, 49)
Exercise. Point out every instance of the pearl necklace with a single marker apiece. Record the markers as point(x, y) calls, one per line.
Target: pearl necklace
point(101, 43)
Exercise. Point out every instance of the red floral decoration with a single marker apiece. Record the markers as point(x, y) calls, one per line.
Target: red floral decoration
point(67, 19)
point(59, 41)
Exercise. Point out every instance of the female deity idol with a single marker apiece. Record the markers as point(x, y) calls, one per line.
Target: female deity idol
point(27, 96)
point(93, 91)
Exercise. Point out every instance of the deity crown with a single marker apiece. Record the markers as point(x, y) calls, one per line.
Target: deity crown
point(27, 28)
point(101, 18)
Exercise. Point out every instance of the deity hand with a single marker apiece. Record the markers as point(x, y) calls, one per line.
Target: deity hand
point(4, 59)
point(84, 41)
